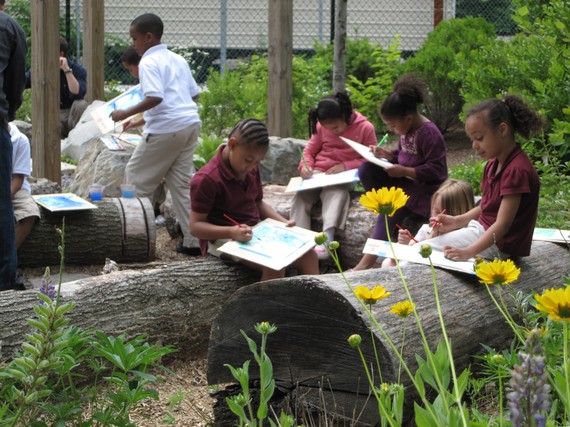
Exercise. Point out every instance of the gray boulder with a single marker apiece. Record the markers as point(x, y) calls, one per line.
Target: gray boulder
point(281, 161)
point(83, 135)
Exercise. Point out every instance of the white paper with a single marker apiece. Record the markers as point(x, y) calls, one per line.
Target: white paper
point(63, 202)
point(274, 245)
point(319, 180)
point(102, 115)
point(365, 152)
point(551, 235)
point(412, 254)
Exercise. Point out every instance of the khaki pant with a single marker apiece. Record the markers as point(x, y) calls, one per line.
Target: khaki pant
point(69, 117)
point(335, 201)
point(167, 156)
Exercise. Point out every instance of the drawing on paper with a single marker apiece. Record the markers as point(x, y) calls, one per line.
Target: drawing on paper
point(271, 241)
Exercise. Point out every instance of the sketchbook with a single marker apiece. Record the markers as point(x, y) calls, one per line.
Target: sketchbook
point(409, 253)
point(274, 245)
point(117, 141)
point(63, 202)
point(365, 152)
point(320, 180)
point(551, 235)
point(102, 115)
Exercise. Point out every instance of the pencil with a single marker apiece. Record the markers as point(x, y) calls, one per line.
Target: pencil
point(303, 158)
point(383, 140)
point(407, 232)
point(435, 223)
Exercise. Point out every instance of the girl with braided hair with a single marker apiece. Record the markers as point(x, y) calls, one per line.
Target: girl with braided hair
point(228, 190)
point(503, 224)
point(327, 153)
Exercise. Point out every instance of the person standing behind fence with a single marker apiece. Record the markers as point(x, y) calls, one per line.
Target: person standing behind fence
point(171, 123)
point(327, 153)
point(12, 83)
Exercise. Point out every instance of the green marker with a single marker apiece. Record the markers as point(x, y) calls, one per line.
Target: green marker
point(383, 140)
point(304, 161)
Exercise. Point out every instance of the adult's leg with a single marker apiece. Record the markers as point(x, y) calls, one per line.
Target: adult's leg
point(8, 257)
point(178, 179)
point(77, 109)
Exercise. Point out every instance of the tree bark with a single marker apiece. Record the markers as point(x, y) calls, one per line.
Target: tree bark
point(316, 315)
point(120, 229)
point(174, 304)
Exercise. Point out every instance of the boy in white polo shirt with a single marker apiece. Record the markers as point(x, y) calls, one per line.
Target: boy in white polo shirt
point(171, 123)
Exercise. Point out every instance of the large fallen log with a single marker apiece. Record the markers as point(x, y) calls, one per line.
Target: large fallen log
point(316, 315)
point(172, 303)
point(120, 229)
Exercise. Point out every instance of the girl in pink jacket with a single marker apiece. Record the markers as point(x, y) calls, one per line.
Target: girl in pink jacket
point(327, 153)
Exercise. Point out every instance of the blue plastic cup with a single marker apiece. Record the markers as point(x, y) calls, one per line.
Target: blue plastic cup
point(96, 192)
point(128, 191)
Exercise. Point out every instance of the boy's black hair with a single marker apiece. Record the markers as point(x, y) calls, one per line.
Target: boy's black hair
point(250, 132)
point(63, 45)
point(513, 111)
point(409, 91)
point(148, 23)
point(130, 56)
point(331, 107)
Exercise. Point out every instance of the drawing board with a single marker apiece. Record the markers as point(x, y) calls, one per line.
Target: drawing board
point(409, 253)
point(320, 180)
point(365, 152)
point(274, 245)
point(551, 235)
point(63, 202)
point(102, 115)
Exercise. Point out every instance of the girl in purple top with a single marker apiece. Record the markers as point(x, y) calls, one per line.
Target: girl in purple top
point(503, 224)
point(420, 164)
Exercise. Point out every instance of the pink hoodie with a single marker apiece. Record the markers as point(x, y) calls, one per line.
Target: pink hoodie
point(325, 149)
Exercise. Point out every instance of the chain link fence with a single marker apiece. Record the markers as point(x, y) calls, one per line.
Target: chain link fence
point(213, 34)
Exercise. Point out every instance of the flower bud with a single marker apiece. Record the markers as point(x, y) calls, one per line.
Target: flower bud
point(265, 328)
point(334, 245)
point(425, 250)
point(354, 340)
point(321, 238)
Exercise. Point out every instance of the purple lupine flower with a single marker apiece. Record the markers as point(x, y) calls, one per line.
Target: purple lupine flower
point(46, 288)
point(529, 399)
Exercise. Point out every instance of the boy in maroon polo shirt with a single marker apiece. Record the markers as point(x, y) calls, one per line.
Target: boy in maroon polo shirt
point(503, 224)
point(230, 185)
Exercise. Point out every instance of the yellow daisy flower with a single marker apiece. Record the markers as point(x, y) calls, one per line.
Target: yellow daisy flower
point(371, 296)
point(555, 302)
point(403, 308)
point(385, 201)
point(497, 272)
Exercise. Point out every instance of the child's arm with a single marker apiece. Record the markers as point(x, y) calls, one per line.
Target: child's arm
point(202, 229)
point(267, 211)
point(447, 223)
point(147, 103)
point(505, 217)
point(16, 183)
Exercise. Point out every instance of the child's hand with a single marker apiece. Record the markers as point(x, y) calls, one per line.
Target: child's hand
point(380, 152)
point(306, 173)
point(443, 223)
point(290, 223)
point(242, 233)
point(457, 254)
point(335, 169)
point(118, 115)
point(404, 237)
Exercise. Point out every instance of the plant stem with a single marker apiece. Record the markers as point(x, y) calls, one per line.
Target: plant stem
point(566, 374)
point(374, 347)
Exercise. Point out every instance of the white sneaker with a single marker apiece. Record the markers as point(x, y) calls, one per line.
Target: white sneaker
point(322, 252)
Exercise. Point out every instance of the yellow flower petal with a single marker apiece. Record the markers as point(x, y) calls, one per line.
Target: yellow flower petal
point(555, 302)
point(371, 296)
point(497, 272)
point(403, 308)
point(384, 201)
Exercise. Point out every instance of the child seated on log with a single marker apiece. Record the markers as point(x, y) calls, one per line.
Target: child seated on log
point(229, 186)
point(26, 211)
point(502, 225)
point(327, 153)
point(453, 197)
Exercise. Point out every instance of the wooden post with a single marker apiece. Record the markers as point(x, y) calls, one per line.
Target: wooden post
point(280, 53)
point(93, 48)
point(46, 149)
point(437, 12)
point(340, 46)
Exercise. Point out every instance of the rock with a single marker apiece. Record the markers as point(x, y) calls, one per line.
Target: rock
point(83, 135)
point(281, 161)
point(44, 186)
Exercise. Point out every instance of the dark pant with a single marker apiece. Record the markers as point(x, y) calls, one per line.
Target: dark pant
point(375, 177)
point(8, 260)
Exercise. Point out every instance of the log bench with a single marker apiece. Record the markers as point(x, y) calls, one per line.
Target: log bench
point(315, 316)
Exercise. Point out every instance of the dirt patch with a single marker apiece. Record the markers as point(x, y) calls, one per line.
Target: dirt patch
point(459, 150)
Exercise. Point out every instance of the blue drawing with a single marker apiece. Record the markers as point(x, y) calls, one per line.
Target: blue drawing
point(275, 242)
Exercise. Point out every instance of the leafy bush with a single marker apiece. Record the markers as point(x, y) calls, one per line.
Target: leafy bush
point(437, 62)
point(471, 172)
point(206, 150)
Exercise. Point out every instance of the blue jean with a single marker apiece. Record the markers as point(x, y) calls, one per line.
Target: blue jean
point(8, 257)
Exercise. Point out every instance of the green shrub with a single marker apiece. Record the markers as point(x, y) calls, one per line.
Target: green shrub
point(437, 62)
point(206, 150)
point(471, 171)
